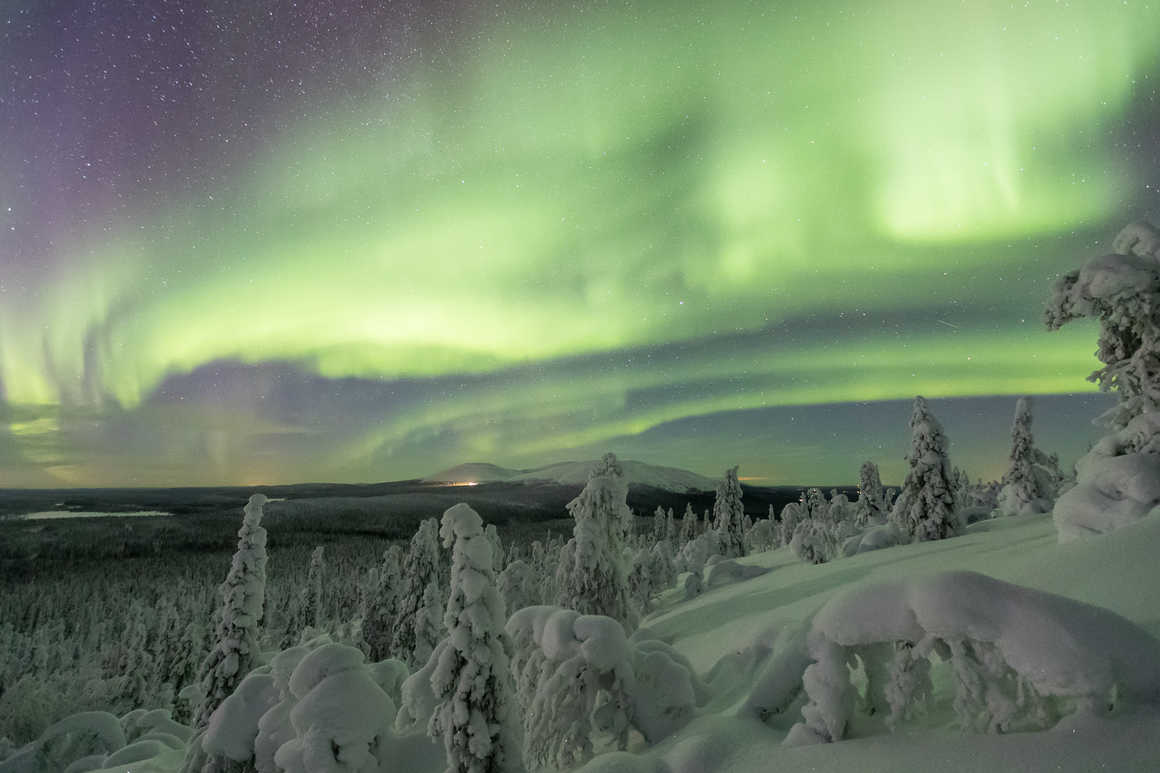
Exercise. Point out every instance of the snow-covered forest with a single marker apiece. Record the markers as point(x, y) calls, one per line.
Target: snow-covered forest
point(986, 624)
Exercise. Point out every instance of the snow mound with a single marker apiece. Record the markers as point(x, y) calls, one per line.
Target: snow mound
point(730, 571)
point(1117, 482)
point(1019, 655)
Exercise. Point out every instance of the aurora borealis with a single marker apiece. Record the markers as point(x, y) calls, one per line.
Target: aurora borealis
point(277, 242)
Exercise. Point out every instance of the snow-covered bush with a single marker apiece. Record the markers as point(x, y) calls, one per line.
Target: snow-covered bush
point(90, 735)
point(694, 555)
point(233, 727)
point(729, 571)
point(791, 516)
point(1019, 657)
point(518, 585)
point(582, 685)
point(874, 538)
point(813, 541)
point(471, 681)
point(762, 536)
point(924, 509)
point(340, 717)
point(690, 584)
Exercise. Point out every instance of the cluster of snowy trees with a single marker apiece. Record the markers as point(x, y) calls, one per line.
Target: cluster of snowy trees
point(116, 634)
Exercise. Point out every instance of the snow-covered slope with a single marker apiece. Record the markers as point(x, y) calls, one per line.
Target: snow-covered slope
point(576, 474)
point(721, 630)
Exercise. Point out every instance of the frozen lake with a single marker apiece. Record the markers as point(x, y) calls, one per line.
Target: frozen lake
point(49, 515)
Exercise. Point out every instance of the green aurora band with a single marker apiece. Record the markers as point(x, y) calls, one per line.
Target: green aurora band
point(571, 186)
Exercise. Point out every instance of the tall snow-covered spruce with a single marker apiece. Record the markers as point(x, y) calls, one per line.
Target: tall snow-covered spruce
point(471, 681)
point(1025, 486)
point(380, 604)
point(243, 601)
point(593, 577)
point(729, 515)
point(871, 505)
point(925, 507)
point(420, 567)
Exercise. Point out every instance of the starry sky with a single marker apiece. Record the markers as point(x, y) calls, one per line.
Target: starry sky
point(286, 241)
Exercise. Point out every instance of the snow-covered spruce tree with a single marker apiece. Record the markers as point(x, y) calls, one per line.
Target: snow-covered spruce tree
point(593, 577)
point(1025, 487)
point(518, 586)
point(498, 554)
point(729, 515)
point(471, 681)
point(1118, 480)
point(925, 507)
point(871, 505)
point(791, 516)
point(380, 604)
point(428, 622)
point(243, 601)
point(660, 524)
point(688, 525)
point(1121, 292)
point(814, 506)
point(761, 537)
point(420, 567)
point(840, 518)
point(304, 609)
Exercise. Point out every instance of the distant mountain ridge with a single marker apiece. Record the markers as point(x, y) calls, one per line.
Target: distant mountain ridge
point(575, 474)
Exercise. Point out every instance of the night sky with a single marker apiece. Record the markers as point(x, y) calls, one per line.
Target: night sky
point(352, 241)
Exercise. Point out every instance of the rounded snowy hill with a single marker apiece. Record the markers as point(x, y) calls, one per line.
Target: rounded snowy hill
point(575, 474)
point(473, 472)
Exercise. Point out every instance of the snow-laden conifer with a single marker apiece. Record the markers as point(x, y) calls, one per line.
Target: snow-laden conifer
point(428, 622)
point(380, 604)
point(243, 601)
point(1122, 293)
point(729, 515)
point(420, 567)
point(871, 505)
point(593, 577)
point(1026, 485)
point(471, 679)
point(688, 525)
point(925, 507)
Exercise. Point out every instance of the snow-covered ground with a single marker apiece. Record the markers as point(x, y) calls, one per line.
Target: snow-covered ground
point(745, 641)
point(1118, 572)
